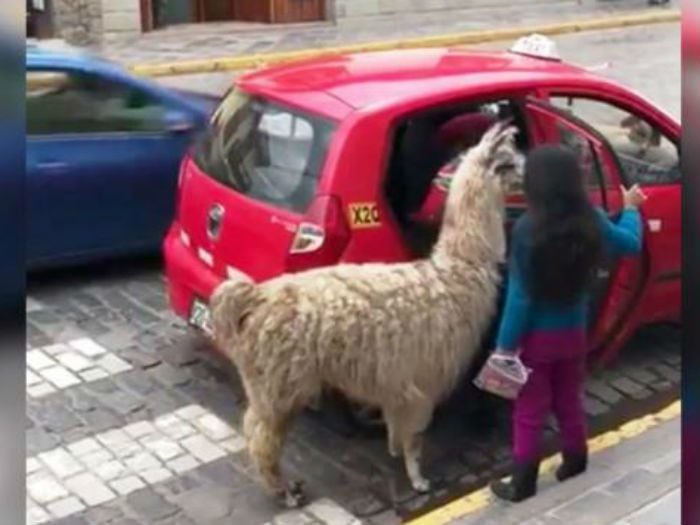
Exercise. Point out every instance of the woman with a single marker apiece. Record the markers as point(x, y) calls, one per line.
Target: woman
point(555, 248)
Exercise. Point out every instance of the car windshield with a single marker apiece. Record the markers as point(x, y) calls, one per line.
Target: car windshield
point(264, 151)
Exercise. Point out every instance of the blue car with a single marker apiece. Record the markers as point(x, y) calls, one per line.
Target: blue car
point(102, 158)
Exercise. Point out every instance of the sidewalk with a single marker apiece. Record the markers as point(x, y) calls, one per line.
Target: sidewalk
point(663, 511)
point(198, 41)
point(634, 483)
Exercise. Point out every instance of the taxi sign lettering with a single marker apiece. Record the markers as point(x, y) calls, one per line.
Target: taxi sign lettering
point(364, 215)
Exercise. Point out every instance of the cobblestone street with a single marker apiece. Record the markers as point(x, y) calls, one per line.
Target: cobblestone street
point(133, 420)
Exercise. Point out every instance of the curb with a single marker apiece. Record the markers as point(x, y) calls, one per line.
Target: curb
point(480, 499)
point(214, 65)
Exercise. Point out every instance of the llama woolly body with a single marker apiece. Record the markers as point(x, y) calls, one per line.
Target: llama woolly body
point(396, 336)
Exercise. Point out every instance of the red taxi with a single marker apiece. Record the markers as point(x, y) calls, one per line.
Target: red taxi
point(344, 158)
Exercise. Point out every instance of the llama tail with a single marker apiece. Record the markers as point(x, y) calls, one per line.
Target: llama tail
point(230, 303)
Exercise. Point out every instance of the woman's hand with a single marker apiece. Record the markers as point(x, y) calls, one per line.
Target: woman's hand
point(633, 198)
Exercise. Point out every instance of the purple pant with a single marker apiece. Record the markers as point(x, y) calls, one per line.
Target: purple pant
point(558, 364)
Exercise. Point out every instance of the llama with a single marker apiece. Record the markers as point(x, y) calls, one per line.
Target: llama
point(394, 336)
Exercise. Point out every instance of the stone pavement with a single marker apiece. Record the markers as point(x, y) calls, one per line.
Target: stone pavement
point(234, 39)
point(634, 483)
point(663, 511)
point(132, 420)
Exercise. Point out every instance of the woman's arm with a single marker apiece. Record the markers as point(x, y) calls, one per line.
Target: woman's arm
point(625, 236)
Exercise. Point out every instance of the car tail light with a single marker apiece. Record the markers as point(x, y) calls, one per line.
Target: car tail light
point(308, 238)
point(178, 190)
point(184, 237)
point(181, 174)
point(321, 237)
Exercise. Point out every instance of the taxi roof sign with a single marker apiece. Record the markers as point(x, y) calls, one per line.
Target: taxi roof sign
point(537, 46)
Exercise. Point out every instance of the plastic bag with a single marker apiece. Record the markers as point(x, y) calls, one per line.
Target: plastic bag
point(503, 375)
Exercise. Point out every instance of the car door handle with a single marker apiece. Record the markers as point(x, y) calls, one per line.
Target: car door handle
point(53, 167)
point(178, 128)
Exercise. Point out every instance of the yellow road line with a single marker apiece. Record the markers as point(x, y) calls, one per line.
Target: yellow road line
point(480, 499)
point(213, 65)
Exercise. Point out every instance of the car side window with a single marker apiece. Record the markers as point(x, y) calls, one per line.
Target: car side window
point(580, 144)
point(70, 102)
point(595, 177)
point(646, 156)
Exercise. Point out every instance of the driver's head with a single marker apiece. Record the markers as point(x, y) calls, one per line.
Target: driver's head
point(640, 132)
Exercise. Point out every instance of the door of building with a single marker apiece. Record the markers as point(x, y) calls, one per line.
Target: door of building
point(279, 11)
point(173, 12)
point(253, 10)
point(290, 11)
point(159, 13)
point(216, 10)
point(39, 22)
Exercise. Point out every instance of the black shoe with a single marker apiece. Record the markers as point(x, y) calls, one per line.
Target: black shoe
point(523, 483)
point(572, 465)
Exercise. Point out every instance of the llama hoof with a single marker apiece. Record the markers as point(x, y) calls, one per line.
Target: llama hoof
point(421, 485)
point(294, 496)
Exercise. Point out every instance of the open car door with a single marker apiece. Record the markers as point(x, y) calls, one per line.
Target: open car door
point(619, 282)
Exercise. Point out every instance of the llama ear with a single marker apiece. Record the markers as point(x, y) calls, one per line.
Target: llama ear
point(501, 134)
point(499, 152)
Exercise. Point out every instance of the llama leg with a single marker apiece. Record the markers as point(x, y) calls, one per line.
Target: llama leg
point(265, 447)
point(394, 444)
point(265, 441)
point(418, 418)
point(412, 448)
point(393, 432)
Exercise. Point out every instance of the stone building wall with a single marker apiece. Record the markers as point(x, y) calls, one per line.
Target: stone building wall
point(78, 21)
point(121, 18)
point(85, 22)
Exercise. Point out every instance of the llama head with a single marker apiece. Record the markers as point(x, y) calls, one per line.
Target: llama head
point(486, 171)
point(473, 220)
point(493, 161)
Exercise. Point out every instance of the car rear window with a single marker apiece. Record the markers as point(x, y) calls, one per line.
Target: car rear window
point(265, 151)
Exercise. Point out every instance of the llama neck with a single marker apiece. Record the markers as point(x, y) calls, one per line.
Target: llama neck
point(472, 229)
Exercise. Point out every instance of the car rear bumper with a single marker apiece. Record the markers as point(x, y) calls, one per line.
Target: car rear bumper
point(186, 276)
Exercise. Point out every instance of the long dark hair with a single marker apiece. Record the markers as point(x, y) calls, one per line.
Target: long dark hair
point(566, 238)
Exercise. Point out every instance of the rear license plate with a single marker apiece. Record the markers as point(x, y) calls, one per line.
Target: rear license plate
point(200, 316)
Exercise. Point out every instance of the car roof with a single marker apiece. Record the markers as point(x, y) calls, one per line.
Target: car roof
point(362, 80)
point(62, 55)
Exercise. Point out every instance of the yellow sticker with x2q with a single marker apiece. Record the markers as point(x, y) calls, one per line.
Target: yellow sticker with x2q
point(364, 215)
